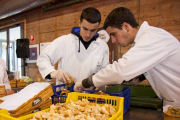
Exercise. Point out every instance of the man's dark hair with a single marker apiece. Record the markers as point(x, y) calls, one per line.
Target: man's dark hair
point(118, 16)
point(91, 14)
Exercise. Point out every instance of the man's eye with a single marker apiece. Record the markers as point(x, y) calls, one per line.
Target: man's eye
point(113, 34)
point(85, 29)
point(93, 30)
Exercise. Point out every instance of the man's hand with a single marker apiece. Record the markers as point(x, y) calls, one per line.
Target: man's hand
point(9, 91)
point(135, 81)
point(60, 75)
point(78, 87)
point(86, 83)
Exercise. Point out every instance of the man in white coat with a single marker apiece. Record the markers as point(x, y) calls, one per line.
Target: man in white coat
point(80, 53)
point(155, 53)
point(4, 78)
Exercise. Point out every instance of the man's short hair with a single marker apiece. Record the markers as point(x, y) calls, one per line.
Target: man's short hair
point(91, 14)
point(118, 16)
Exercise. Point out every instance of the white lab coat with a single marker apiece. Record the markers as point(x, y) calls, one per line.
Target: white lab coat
point(155, 53)
point(3, 74)
point(78, 64)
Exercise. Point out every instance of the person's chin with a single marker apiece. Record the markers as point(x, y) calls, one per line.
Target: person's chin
point(86, 40)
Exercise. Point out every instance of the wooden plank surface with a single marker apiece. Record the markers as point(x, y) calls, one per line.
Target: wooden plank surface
point(46, 26)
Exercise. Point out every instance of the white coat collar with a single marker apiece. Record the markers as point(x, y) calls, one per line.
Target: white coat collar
point(141, 31)
point(92, 46)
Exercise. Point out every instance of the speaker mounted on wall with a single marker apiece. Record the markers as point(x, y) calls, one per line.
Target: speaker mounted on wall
point(22, 50)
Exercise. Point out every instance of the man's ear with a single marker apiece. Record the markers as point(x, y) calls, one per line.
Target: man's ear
point(126, 26)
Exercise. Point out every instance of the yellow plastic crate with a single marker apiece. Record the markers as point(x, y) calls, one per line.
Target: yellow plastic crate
point(116, 102)
point(173, 113)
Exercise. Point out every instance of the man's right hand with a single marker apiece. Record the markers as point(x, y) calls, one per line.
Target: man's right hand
point(60, 75)
point(135, 81)
point(78, 87)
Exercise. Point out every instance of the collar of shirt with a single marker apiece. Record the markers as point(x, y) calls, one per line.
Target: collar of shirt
point(93, 45)
point(133, 44)
point(141, 31)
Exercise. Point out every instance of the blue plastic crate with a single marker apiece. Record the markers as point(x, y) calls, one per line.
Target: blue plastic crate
point(57, 89)
point(126, 93)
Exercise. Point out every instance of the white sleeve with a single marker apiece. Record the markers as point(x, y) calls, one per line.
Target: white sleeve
point(50, 56)
point(105, 60)
point(5, 78)
point(147, 53)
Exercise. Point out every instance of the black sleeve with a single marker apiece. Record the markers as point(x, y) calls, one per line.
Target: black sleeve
point(48, 76)
point(142, 77)
point(88, 82)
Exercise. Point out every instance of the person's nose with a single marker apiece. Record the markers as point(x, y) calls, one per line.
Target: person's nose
point(88, 34)
point(113, 39)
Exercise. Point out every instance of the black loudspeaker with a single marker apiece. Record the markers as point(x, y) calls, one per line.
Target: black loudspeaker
point(22, 50)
